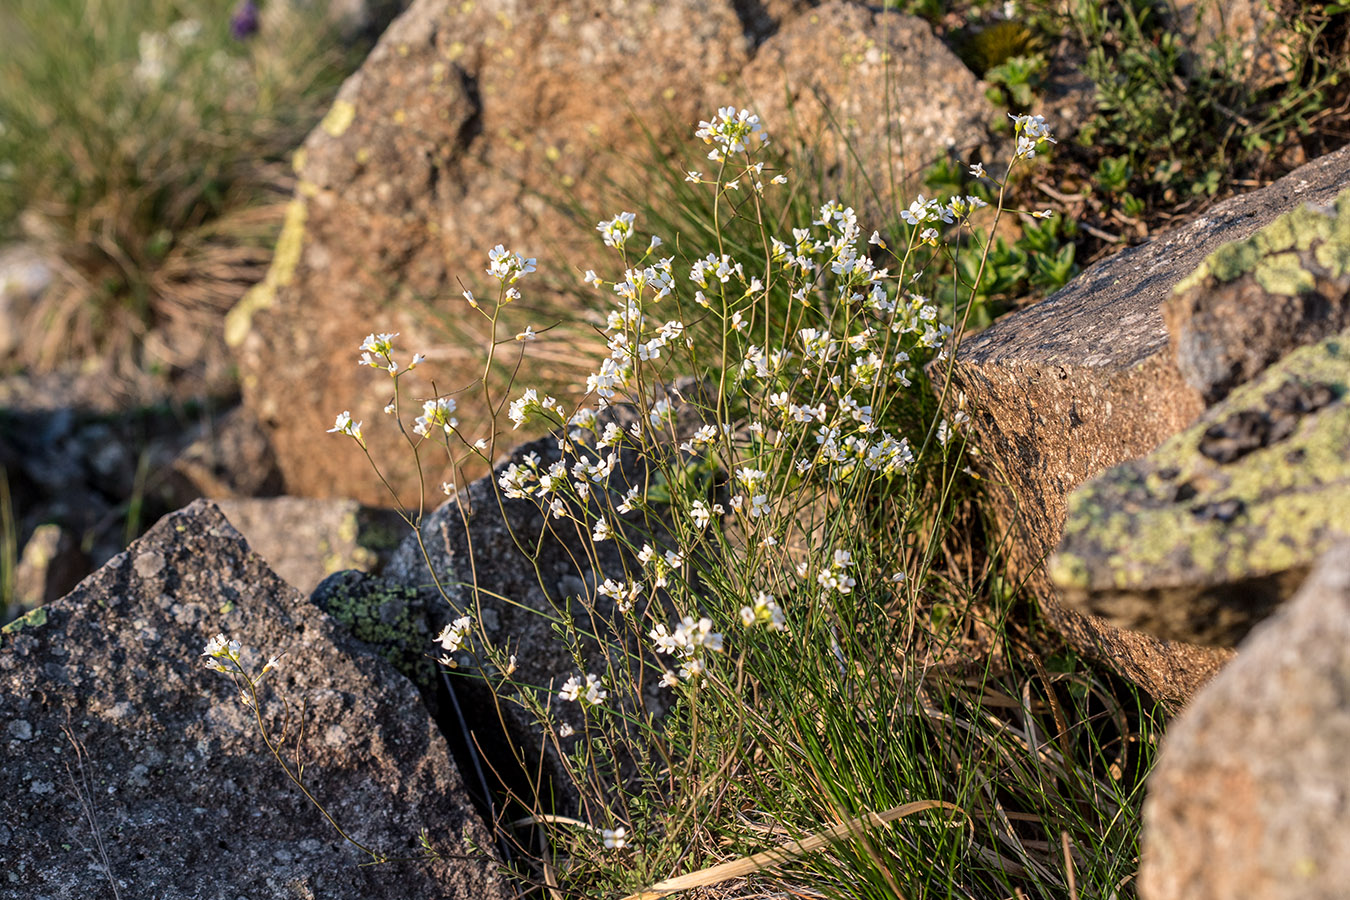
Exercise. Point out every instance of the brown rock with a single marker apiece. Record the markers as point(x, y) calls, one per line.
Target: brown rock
point(1082, 381)
point(859, 84)
point(1251, 795)
point(452, 137)
point(50, 565)
point(173, 785)
point(1249, 39)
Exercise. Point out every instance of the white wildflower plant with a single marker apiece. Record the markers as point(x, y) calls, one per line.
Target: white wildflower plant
point(737, 478)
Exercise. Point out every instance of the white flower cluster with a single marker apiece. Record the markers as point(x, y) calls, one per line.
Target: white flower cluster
point(688, 643)
point(452, 638)
point(836, 577)
point(436, 414)
point(1030, 131)
point(529, 405)
point(507, 267)
point(623, 593)
point(345, 425)
point(730, 131)
point(764, 611)
point(575, 690)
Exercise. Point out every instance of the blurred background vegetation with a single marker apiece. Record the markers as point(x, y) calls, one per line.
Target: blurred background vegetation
point(144, 148)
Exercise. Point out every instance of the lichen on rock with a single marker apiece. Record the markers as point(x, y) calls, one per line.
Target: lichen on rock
point(1253, 300)
point(1198, 540)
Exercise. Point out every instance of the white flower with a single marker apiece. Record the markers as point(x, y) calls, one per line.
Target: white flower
point(617, 230)
point(527, 335)
point(764, 611)
point(615, 839)
point(602, 531)
point(507, 267)
point(565, 730)
point(345, 425)
point(669, 679)
point(452, 636)
point(436, 414)
point(591, 278)
point(730, 130)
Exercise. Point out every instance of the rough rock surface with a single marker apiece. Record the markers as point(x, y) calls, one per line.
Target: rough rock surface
point(1203, 537)
point(173, 783)
point(467, 126)
point(1084, 380)
point(854, 83)
point(1251, 795)
point(305, 541)
point(1252, 301)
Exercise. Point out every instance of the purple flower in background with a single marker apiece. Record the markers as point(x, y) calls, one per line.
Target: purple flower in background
point(244, 22)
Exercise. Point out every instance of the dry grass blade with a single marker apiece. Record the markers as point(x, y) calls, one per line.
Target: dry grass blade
point(783, 853)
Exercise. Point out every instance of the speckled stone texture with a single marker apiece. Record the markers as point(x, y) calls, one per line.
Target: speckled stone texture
point(1251, 795)
point(1085, 380)
point(1201, 539)
point(473, 124)
point(184, 798)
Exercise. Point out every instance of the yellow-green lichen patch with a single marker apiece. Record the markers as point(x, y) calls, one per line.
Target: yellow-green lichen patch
point(339, 118)
point(1323, 230)
point(1283, 273)
point(239, 320)
point(35, 618)
point(389, 618)
point(1180, 518)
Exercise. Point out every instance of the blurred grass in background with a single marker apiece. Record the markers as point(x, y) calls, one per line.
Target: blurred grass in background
point(145, 150)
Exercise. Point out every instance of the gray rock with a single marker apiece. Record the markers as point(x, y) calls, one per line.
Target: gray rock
point(1083, 380)
point(172, 781)
point(1251, 795)
point(305, 541)
point(230, 457)
point(1252, 301)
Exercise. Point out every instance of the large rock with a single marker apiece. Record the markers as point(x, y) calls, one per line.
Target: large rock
point(173, 794)
point(1084, 380)
point(1251, 795)
point(477, 123)
point(1199, 540)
